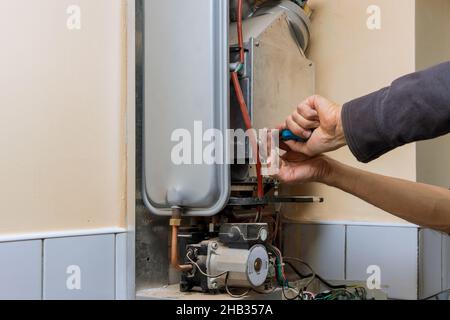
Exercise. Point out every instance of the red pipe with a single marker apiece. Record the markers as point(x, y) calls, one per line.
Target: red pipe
point(248, 124)
point(243, 105)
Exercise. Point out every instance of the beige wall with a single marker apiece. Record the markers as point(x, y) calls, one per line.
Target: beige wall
point(63, 102)
point(432, 22)
point(62, 95)
point(351, 61)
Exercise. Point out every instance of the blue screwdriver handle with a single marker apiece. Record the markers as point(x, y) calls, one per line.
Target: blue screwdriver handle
point(288, 135)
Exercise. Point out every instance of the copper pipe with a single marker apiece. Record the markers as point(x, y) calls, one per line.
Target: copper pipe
point(175, 223)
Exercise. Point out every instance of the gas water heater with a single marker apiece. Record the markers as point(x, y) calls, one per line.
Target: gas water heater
point(217, 66)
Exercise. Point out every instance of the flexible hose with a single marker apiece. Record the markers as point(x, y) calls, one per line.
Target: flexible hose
point(248, 124)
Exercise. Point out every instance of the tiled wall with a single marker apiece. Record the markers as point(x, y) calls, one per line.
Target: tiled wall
point(392, 249)
point(21, 270)
point(322, 246)
point(83, 267)
point(413, 263)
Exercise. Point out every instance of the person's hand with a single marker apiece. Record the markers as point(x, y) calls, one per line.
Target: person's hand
point(299, 168)
point(318, 120)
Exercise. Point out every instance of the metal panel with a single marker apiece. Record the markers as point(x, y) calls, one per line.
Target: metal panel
point(79, 268)
point(322, 246)
point(430, 262)
point(21, 270)
point(276, 56)
point(393, 249)
point(151, 232)
point(186, 80)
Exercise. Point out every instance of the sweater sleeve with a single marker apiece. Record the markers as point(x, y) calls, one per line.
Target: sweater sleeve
point(415, 107)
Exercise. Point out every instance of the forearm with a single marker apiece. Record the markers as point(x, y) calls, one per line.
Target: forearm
point(421, 204)
point(415, 107)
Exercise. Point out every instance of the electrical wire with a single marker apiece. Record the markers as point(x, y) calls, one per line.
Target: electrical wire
point(337, 291)
point(436, 295)
point(273, 288)
point(310, 294)
point(280, 265)
point(283, 290)
point(249, 127)
point(277, 225)
point(226, 274)
point(188, 255)
point(239, 32)
point(235, 296)
point(303, 276)
point(313, 276)
point(277, 216)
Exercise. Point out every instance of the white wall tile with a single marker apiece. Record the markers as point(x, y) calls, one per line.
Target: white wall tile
point(393, 249)
point(21, 270)
point(322, 246)
point(121, 266)
point(430, 262)
point(446, 262)
point(92, 258)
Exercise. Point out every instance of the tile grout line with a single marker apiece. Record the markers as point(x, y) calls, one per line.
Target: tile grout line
point(42, 269)
point(345, 252)
point(442, 263)
point(115, 266)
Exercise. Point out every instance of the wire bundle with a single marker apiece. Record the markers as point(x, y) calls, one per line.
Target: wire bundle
point(336, 292)
point(343, 294)
point(243, 106)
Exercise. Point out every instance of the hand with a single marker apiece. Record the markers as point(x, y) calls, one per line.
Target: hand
point(299, 168)
point(318, 120)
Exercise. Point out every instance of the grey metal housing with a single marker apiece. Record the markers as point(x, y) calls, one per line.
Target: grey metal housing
point(186, 80)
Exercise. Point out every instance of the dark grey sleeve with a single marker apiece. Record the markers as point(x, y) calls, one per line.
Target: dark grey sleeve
point(415, 107)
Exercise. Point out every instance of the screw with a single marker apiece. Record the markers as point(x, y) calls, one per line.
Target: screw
point(214, 245)
point(214, 285)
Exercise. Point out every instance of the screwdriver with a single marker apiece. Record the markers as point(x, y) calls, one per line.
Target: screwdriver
point(288, 135)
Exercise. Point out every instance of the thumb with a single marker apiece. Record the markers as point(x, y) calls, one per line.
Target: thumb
point(299, 147)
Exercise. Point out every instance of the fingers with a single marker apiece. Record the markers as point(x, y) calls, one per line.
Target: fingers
point(318, 121)
point(308, 111)
point(317, 102)
point(304, 122)
point(322, 105)
point(284, 146)
point(297, 129)
point(294, 157)
point(298, 147)
point(283, 174)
